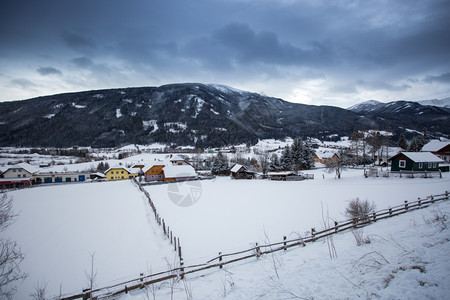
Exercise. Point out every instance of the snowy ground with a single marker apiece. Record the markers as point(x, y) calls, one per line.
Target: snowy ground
point(407, 258)
point(232, 215)
point(60, 226)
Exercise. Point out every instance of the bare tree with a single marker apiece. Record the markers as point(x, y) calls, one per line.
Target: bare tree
point(40, 291)
point(11, 255)
point(337, 164)
point(264, 161)
point(91, 276)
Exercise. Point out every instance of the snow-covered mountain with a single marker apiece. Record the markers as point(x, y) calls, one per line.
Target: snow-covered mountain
point(435, 102)
point(366, 106)
point(202, 115)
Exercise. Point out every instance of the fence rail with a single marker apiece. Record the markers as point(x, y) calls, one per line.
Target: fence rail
point(256, 251)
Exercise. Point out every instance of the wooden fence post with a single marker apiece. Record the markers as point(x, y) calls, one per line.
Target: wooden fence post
point(390, 211)
point(258, 251)
point(335, 226)
point(164, 226)
point(374, 217)
point(174, 243)
point(446, 195)
point(432, 199)
point(179, 248)
point(420, 203)
point(220, 260)
point(313, 232)
point(354, 223)
point(181, 268)
point(284, 243)
point(171, 240)
point(406, 205)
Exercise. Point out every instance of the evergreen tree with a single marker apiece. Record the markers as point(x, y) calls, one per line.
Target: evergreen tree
point(275, 164)
point(417, 143)
point(286, 159)
point(220, 165)
point(402, 143)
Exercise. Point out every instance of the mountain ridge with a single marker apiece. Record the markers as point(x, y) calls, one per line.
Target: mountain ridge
point(203, 115)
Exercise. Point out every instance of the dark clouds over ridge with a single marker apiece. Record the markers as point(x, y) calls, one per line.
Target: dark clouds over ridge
point(318, 52)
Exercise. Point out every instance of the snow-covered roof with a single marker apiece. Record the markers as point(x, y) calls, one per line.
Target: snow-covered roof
point(179, 171)
point(129, 170)
point(236, 168)
point(148, 167)
point(434, 146)
point(176, 158)
point(283, 173)
point(421, 156)
point(26, 166)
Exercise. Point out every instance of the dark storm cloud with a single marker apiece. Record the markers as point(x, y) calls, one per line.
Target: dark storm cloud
point(22, 83)
point(44, 71)
point(354, 45)
point(238, 42)
point(82, 62)
point(443, 78)
point(78, 42)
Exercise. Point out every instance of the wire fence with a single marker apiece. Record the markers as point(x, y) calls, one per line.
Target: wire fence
point(254, 252)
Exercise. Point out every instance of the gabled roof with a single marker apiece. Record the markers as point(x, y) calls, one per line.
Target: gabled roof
point(176, 158)
point(148, 167)
point(129, 170)
point(237, 167)
point(179, 171)
point(434, 146)
point(419, 156)
point(26, 166)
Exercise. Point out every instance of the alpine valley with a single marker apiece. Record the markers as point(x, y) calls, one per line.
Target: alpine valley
point(202, 115)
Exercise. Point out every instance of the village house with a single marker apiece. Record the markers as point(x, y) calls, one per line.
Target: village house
point(415, 161)
point(120, 173)
point(22, 170)
point(153, 172)
point(438, 148)
point(17, 176)
point(179, 173)
point(176, 160)
point(240, 172)
point(325, 158)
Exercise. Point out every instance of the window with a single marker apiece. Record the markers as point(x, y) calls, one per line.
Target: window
point(402, 164)
point(122, 173)
point(420, 165)
point(434, 165)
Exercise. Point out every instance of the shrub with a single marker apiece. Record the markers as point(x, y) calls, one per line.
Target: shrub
point(358, 209)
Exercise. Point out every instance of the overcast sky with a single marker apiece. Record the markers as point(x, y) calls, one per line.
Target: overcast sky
point(309, 51)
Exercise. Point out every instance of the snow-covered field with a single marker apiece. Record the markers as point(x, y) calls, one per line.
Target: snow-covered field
point(59, 227)
point(232, 215)
point(407, 258)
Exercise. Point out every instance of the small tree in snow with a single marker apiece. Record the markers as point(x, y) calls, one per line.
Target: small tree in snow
point(220, 165)
point(357, 209)
point(10, 254)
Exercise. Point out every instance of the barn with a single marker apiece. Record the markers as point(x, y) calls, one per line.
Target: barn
point(240, 172)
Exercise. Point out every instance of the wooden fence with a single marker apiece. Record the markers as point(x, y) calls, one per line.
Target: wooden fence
point(256, 251)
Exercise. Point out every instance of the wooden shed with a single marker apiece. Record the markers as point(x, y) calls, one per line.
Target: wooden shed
point(240, 172)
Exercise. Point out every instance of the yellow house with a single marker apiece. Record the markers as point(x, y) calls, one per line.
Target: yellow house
point(120, 173)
